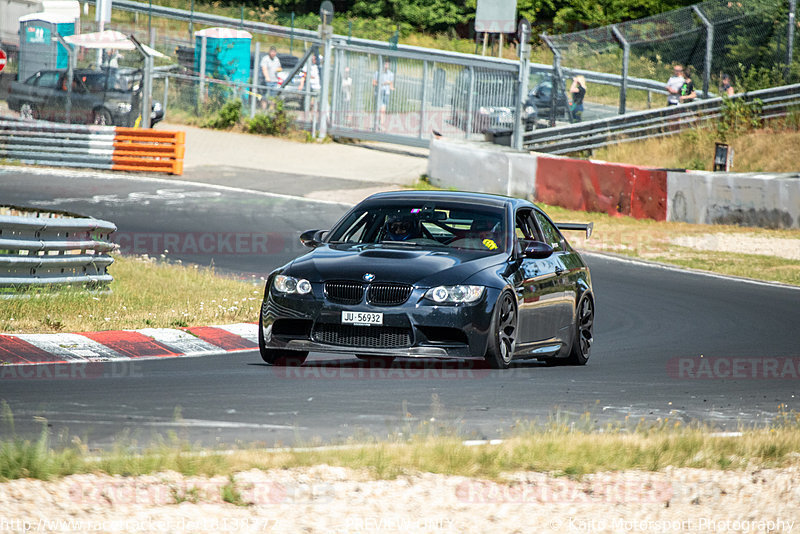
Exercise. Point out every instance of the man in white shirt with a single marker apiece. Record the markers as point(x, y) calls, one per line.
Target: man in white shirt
point(270, 67)
point(674, 85)
point(386, 88)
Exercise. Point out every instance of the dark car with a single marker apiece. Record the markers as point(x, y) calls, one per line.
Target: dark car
point(485, 102)
point(433, 274)
point(109, 96)
point(540, 101)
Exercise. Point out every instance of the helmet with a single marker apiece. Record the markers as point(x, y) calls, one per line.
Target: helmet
point(401, 226)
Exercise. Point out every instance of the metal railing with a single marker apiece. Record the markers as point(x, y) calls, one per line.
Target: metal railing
point(51, 249)
point(93, 147)
point(775, 102)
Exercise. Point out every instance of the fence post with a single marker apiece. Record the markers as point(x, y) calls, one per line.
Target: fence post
point(254, 87)
point(70, 74)
point(556, 76)
point(326, 33)
point(790, 36)
point(524, 33)
point(166, 94)
point(626, 52)
point(377, 99)
point(337, 76)
point(423, 96)
point(709, 49)
point(470, 103)
point(201, 97)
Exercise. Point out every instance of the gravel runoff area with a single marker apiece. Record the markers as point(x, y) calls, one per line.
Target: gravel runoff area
point(743, 244)
point(326, 499)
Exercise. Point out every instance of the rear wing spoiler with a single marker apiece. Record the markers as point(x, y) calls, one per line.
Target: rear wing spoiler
point(585, 227)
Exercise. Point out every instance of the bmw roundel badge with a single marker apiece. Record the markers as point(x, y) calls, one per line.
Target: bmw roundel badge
point(369, 277)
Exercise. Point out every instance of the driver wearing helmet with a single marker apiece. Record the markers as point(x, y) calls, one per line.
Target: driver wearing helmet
point(401, 227)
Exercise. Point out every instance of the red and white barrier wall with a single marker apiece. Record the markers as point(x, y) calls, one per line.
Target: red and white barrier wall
point(767, 200)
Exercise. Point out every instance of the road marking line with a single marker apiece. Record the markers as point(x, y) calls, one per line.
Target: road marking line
point(150, 179)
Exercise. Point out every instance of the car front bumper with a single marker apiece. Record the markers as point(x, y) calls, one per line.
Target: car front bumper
point(433, 331)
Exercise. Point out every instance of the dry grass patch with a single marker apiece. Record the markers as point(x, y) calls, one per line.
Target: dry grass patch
point(144, 293)
point(555, 448)
point(757, 151)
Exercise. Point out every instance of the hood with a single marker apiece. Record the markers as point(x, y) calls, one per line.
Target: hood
point(392, 263)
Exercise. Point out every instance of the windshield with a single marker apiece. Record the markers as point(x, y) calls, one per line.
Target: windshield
point(428, 224)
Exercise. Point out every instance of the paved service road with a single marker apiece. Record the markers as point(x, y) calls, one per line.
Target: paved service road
point(653, 326)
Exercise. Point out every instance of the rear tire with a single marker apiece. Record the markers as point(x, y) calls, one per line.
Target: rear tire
point(27, 111)
point(584, 325)
point(503, 334)
point(279, 357)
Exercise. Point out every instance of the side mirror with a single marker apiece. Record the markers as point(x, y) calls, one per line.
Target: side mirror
point(312, 238)
point(536, 250)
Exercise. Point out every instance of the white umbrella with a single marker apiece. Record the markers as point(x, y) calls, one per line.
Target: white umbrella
point(109, 39)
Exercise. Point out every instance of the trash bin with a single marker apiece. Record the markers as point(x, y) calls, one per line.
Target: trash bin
point(499, 135)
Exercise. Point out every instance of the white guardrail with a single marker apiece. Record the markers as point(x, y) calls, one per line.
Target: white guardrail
point(51, 249)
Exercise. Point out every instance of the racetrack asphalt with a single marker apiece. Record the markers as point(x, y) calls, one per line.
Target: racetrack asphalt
point(687, 346)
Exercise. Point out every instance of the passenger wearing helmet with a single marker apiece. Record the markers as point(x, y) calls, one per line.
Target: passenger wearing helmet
point(401, 227)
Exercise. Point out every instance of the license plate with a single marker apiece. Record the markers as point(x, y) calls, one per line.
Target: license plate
point(362, 318)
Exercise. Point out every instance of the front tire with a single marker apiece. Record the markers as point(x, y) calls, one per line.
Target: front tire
point(584, 326)
point(102, 117)
point(503, 334)
point(278, 357)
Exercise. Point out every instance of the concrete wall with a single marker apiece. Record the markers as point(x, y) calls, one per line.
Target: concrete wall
point(765, 200)
point(482, 168)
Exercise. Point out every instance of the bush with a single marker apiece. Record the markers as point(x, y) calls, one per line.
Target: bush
point(274, 122)
point(227, 117)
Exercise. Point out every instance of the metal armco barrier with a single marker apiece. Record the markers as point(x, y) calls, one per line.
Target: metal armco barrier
point(775, 102)
point(53, 249)
point(93, 147)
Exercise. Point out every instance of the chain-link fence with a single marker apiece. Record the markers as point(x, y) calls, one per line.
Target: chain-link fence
point(752, 41)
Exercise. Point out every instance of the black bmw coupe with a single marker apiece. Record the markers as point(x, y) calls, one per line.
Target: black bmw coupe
point(433, 274)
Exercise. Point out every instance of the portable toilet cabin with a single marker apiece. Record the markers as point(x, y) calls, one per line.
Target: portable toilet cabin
point(227, 57)
point(38, 50)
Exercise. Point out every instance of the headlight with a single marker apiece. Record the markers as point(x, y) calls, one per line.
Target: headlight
point(530, 110)
point(288, 284)
point(124, 107)
point(483, 110)
point(156, 106)
point(455, 294)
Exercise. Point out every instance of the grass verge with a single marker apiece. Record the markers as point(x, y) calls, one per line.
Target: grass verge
point(763, 150)
point(145, 293)
point(559, 447)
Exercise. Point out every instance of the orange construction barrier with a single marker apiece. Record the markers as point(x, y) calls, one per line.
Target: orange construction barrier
point(148, 150)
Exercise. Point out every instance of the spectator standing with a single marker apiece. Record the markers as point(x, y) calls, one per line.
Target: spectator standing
point(688, 94)
point(386, 88)
point(347, 94)
point(674, 85)
point(270, 67)
point(311, 74)
point(726, 88)
point(577, 91)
